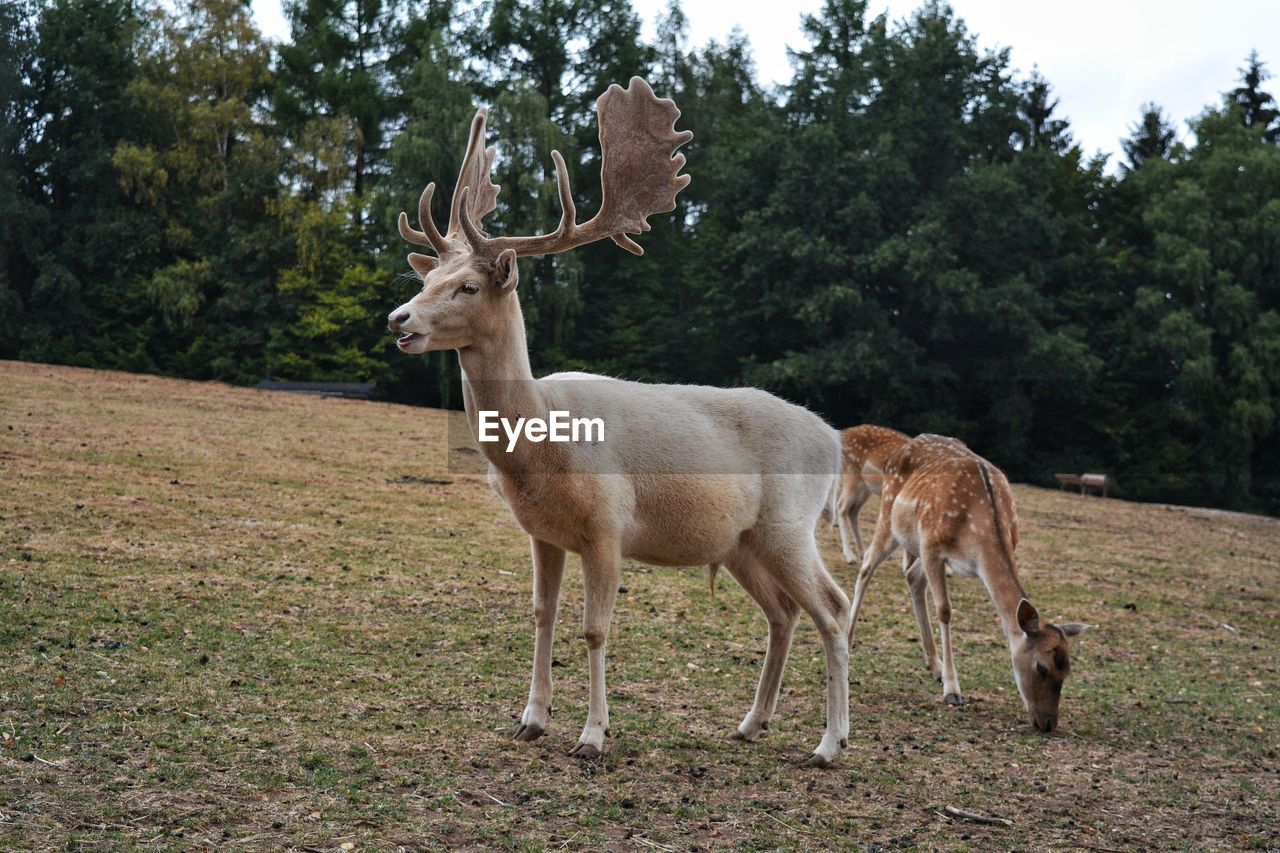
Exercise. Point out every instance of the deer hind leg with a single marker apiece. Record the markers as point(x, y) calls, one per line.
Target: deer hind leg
point(782, 613)
point(853, 494)
point(548, 569)
point(935, 569)
point(601, 570)
point(795, 565)
point(917, 583)
point(864, 495)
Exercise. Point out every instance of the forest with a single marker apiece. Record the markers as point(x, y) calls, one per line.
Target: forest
point(906, 233)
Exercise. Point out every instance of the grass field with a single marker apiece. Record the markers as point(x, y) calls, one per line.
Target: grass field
point(247, 620)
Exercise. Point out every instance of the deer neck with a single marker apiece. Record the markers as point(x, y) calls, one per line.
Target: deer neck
point(496, 377)
point(1006, 592)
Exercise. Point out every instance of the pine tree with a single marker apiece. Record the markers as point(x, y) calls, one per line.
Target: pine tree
point(1199, 353)
point(1036, 108)
point(1257, 108)
point(1150, 139)
point(832, 77)
point(81, 69)
point(333, 80)
point(17, 204)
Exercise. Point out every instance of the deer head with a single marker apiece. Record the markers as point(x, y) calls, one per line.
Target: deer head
point(468, 287)
point(1041, 664)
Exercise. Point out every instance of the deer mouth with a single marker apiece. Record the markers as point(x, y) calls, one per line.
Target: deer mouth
point(407, 338)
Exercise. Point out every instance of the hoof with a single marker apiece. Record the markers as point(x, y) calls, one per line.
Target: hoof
point(953, 699)
point(585, 751)
point(818, 760)
point(529, 732)
point(738, 734)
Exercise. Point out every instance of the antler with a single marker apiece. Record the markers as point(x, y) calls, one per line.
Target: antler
point(429, 236)
point(473, 180)
point(639, 177)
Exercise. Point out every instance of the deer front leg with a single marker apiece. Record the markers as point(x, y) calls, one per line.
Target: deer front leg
point(548, 569)
point(883, 545)
point(935, 569)
point(917, 583)
point(601, 569)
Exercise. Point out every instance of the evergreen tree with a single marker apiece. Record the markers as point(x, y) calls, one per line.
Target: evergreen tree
point(1257, 108)
point(76, 271)
point(832, 77)
point(18, 204)
point(1204, 320)
point(1036, 108)
point(1151, 139)
point(333, 80)
point(205, 172)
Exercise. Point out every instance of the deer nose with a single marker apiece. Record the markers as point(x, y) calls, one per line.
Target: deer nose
point(397, 319)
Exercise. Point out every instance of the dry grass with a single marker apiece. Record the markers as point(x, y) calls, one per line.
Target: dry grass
point(238, 619)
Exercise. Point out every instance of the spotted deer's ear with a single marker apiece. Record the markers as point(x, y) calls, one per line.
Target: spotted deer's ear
point(422, 264)
point(1028, 618)
point(1075, 629)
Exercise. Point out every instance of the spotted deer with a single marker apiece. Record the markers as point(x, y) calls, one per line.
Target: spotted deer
point(688, 475)
point(864, 450)
point(945, 506)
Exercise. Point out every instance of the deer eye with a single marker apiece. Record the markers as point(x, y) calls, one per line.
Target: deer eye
point(469, 287)
point(1042, 669)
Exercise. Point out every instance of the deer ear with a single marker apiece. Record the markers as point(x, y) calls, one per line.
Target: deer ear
point(1028, 617)
point(422, 264)
point(1074, 629)
point(506, 272)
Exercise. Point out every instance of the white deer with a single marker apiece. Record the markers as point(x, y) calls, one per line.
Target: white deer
point(948, 507)
point(687, 475)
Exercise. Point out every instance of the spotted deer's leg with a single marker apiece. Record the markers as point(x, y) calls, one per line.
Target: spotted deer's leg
point(917, 583)
point(850, 488)
point(935, 570)
point(864, 495)
point(883, 545)
point(548, 569)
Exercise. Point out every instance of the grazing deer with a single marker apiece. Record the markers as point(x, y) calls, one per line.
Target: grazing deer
point(688, 475)
point(865, 449)
point(948, 507)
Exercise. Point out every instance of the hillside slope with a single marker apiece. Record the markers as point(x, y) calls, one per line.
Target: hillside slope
point(233, 616)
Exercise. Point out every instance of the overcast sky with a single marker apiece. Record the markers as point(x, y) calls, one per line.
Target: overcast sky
point(1105, 58)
